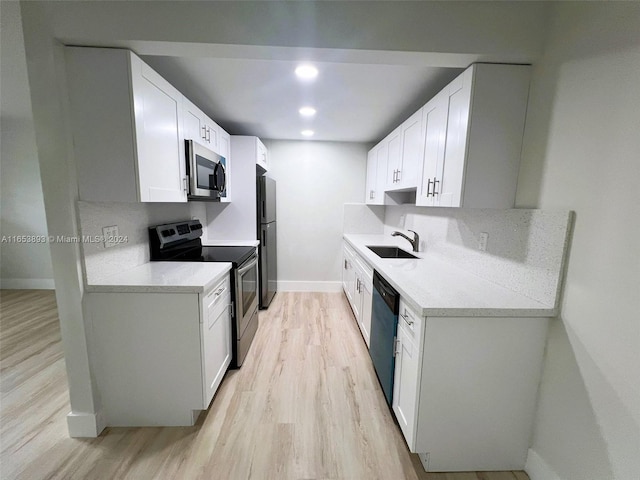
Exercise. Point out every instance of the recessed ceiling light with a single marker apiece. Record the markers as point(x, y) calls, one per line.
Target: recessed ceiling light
point(306, 71)
point(307, 133)
point(307, 111)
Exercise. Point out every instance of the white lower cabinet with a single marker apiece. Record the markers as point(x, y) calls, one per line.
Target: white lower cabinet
point(365, 312)
point(357, 283)
point(406, 382)
point(216, 338)
point(158, 358)
point(348, 273)
point(465, 388)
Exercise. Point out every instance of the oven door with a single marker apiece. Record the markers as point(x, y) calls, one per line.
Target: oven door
point(246, 293)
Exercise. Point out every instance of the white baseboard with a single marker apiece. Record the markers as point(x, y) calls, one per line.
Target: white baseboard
point(85, 425)
point(297, 286)
point(27, 283)
point(538, 469)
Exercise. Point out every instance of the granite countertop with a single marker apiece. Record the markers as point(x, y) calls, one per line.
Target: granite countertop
point(164, 277)
point(435, 286)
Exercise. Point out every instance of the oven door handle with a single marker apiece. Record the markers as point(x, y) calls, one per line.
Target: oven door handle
point(248, 265)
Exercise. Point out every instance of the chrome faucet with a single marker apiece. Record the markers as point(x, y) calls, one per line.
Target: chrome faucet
point(415, 243)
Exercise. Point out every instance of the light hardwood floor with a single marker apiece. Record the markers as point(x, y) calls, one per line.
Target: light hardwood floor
point(305, 405)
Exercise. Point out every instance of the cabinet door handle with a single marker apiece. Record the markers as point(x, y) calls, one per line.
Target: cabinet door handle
point(345, 263)
point(428, 187)
point(406, 318)
point(204, 132)
point(185, 187)
point(399, 174)
point(435, 182)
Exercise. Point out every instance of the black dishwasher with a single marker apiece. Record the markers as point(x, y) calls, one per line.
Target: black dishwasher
point(384, 322)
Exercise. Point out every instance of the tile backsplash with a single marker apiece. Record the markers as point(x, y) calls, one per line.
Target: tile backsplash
point(525, 250)
point(361, 218)
point(132, 220)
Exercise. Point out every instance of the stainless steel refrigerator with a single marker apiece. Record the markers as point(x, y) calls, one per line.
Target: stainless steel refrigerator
point(268, 266)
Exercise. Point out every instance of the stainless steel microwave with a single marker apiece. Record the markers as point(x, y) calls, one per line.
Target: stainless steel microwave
point(206, 171)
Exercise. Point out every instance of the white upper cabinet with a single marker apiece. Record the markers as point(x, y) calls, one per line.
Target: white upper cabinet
point(160, 149)
point(224, 144)
point(372, 176)
point(376, 175)
point(462, 149)
point(250, 150)
point(412, 135)
point(200, 128)
point(127, 128)
point(262, 159)
point(434, 114)
point(405, 150)
point(473, 138)
point(393, 143)
point(193, 123)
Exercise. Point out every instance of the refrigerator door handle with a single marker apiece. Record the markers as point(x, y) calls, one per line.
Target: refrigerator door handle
point(264, 237)
point(264, 210)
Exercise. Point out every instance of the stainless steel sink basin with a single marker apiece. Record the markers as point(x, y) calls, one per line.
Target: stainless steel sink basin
point(390, 252)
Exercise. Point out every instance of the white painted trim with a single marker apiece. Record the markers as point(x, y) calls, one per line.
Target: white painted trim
point(538, 469)
point(27, 283)
point(85, 425)
point(304, 286)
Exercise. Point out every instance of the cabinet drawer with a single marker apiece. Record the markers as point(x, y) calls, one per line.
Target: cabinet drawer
point(214, 300)
point(410, 320)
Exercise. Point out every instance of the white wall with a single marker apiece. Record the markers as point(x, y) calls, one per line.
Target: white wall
point(581, 152)
point(22, 265)
point(313, 182)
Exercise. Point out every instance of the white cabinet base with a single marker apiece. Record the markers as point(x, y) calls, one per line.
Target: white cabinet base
point(478, 390)
point(146, 352)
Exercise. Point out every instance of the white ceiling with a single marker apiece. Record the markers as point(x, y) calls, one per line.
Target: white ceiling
point(355, 101)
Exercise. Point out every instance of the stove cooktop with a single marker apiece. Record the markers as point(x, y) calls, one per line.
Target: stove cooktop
point(233, 254)
point(181, 241)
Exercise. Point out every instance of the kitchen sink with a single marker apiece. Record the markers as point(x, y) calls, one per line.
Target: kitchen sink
point(390, 252)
